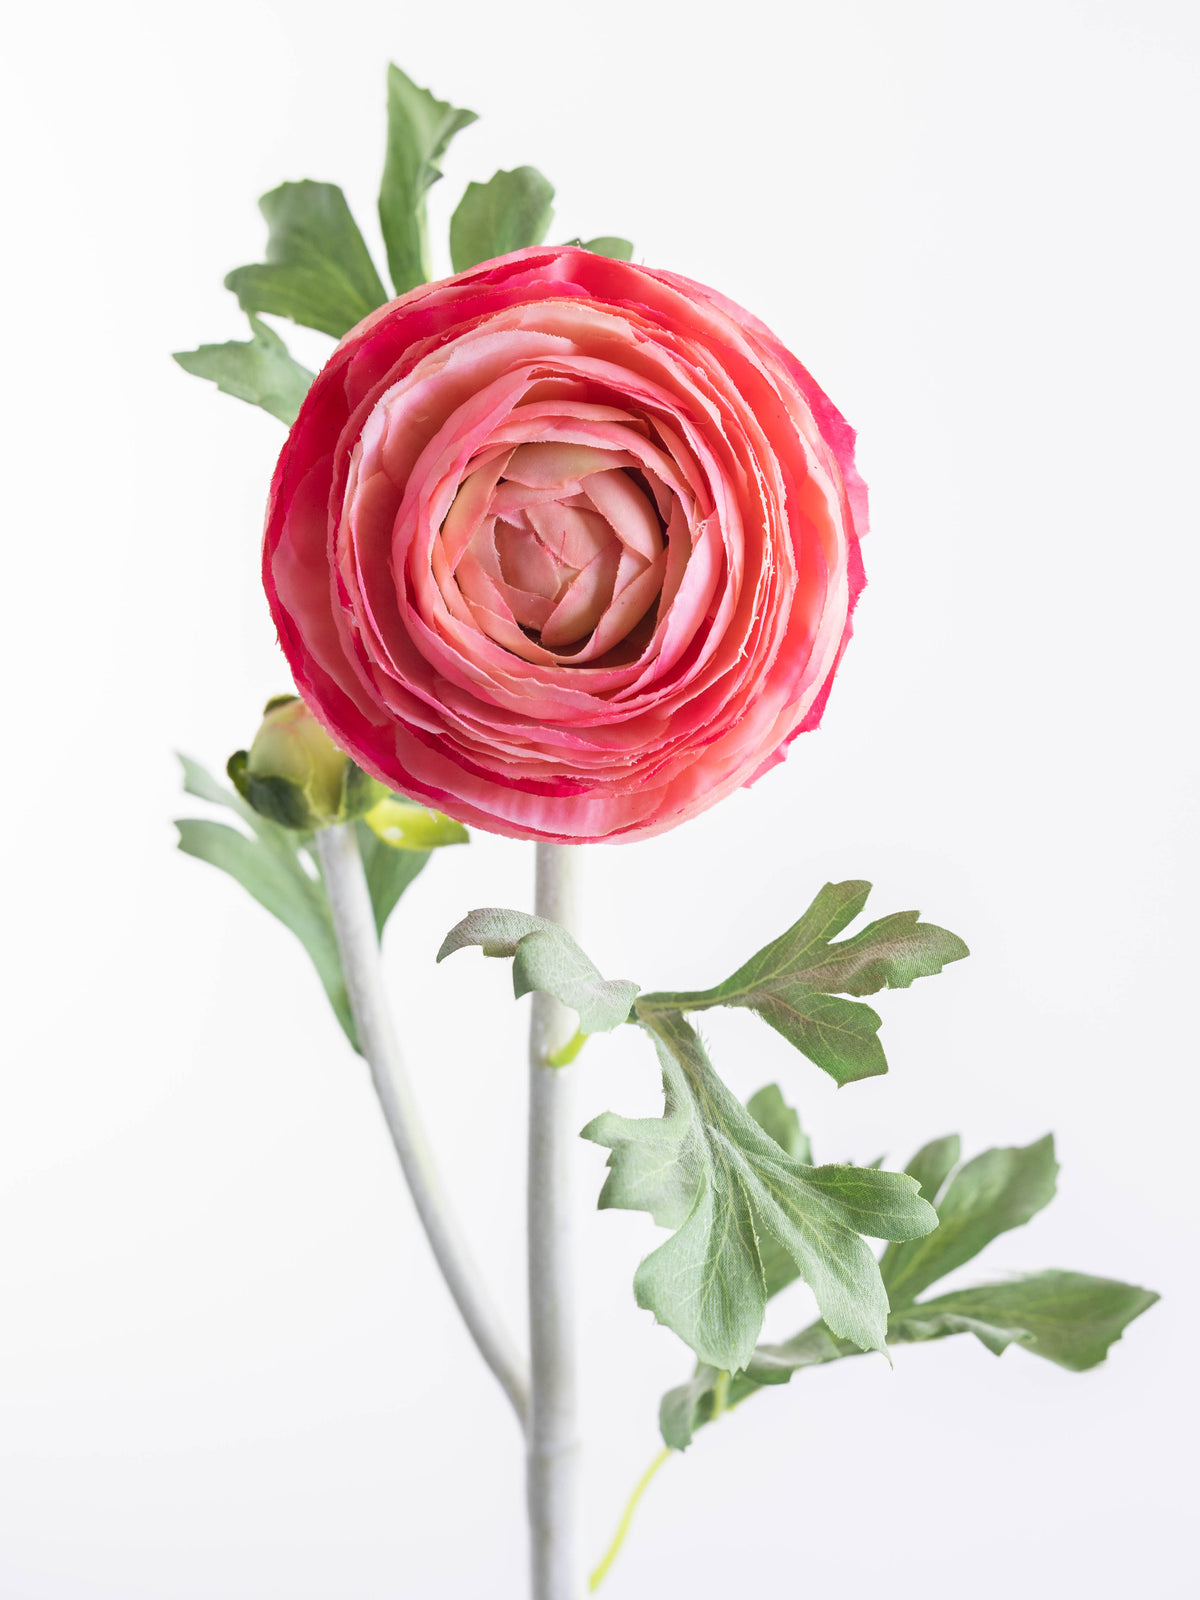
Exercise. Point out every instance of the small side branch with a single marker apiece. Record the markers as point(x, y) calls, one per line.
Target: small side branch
point(354, 925)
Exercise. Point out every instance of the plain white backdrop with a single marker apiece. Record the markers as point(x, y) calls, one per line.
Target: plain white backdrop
point(227, 1368)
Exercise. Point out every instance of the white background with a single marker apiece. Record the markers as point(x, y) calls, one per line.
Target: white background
point(227, 1369)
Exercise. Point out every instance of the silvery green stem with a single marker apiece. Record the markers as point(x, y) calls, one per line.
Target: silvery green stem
point(358, 944)
point(552, 1441)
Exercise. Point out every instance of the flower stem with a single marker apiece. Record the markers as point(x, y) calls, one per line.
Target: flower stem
point(553, 1450)
point(618, 1538)
point(358, 945)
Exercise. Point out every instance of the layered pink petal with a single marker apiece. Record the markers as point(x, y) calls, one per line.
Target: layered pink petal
point(564, 546)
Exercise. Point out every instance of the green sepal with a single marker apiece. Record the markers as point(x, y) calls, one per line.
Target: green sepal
point(997, 1190)
point(277, 799)
point(258, 370)
point(511, 211)
point(420, 128)
point(606, 245)
point(546, 958)
point(794, 983)
point(405, 825)
point(708, 1171)
point(318, 270)
point(290, 805)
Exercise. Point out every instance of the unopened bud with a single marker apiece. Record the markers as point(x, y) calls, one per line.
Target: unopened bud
point(295, 775)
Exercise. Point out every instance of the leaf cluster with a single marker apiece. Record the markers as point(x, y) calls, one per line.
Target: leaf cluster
point(1069, 1318)
point(318, 270)
point(747, 1210)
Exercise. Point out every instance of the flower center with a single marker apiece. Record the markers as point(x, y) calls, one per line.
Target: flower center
point(556, 549)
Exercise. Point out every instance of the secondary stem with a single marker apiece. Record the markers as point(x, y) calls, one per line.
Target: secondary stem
point(358, 944)
point(618, 1538)
point(553, 1449)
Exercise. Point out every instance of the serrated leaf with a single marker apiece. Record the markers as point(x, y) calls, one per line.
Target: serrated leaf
point(258, 370)
point(1066, 1317)
point(707, 1170)
point(419, 130)
point(407, 826)
point(283, 889)
point(793, 983)
point(318, 270)
point(606, 245)
point(511, 211)
point(933, 1164)
point(992, 1193)
point(546, 958)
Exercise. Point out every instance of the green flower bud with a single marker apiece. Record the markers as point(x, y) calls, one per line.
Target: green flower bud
point(296, 776)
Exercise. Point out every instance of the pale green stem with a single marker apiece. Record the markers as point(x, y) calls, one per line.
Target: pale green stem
point(358, 946)
point(552, 1434)
point(618, 1538)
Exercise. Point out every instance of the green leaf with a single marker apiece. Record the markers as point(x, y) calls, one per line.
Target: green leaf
point(707, 1170)
point(389, 872)
point(271, 867)
point(681, 1411)
point(318, 271)
point(545, 957)
point(933, 1163)
point(1066, 1317)
point(284, 889)
point(776, 1117)
point(606, 245)
point(258, 370)
point(792, 982)
point(511, 211)
point(407, 826)
point(419, 130)
point(998, 1190)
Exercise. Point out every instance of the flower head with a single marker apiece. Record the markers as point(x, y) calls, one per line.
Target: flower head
point(564, 546)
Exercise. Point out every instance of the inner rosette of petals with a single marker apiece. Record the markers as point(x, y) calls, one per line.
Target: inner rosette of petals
point(556, 550)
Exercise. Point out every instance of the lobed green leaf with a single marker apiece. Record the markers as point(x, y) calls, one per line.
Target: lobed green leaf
point(511, 211)
point(794, 983)
point(776, 1117)
point(420, 128)
point(998, 1190)
point(258, 370)
point(709, 1171)
point(933, 1164)
point(318, 270)
point(1066, 1317)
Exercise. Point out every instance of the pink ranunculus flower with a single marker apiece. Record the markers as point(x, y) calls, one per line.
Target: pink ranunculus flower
point(565, 547)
